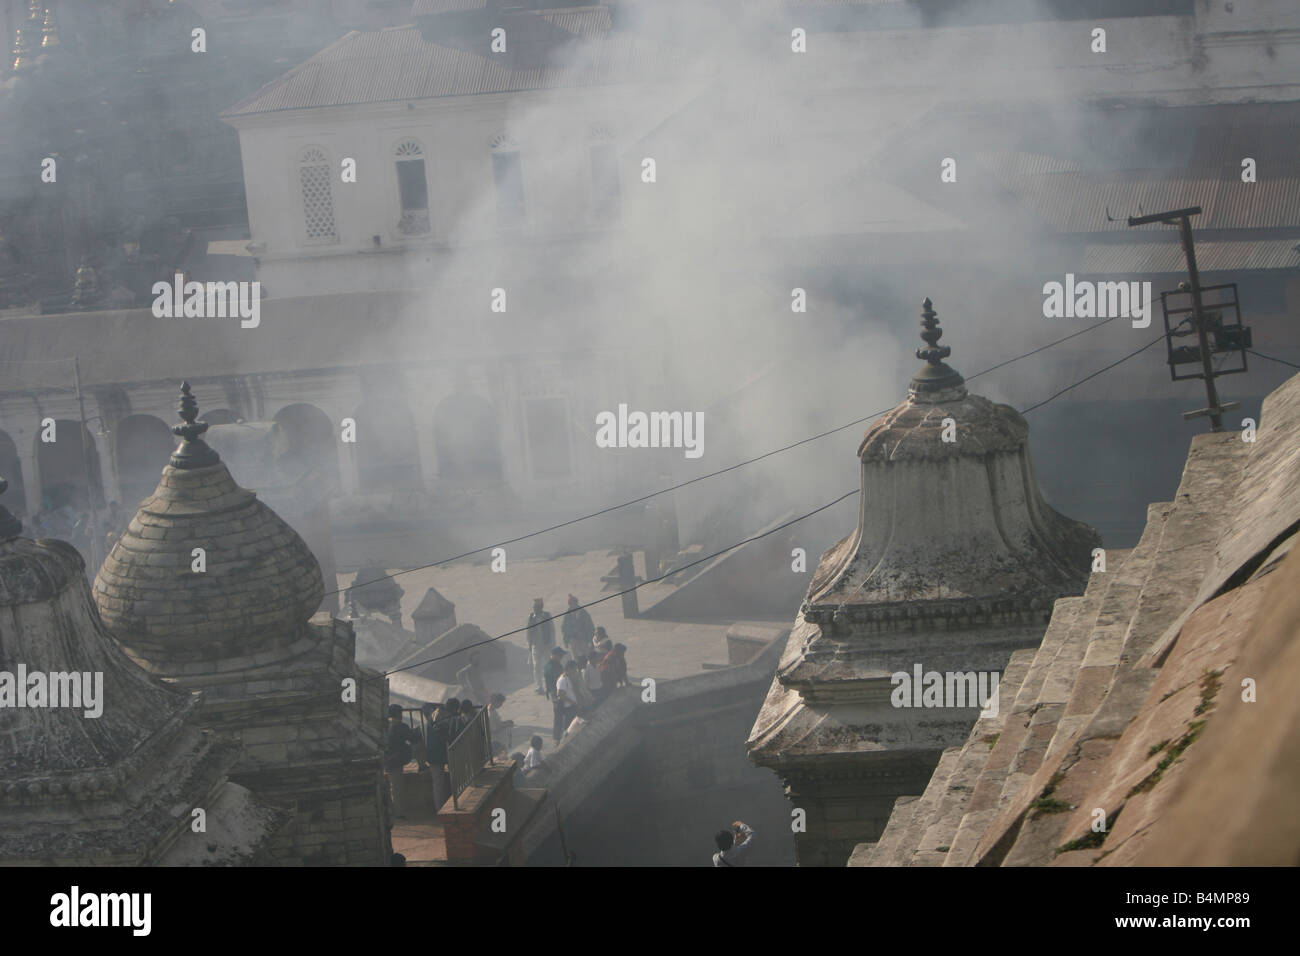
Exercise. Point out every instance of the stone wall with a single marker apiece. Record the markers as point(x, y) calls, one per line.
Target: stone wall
point(648, 784)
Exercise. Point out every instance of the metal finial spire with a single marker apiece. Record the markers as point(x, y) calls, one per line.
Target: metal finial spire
point(10, 527)
point(934, 377)
point(930, 334)
point(193, 451)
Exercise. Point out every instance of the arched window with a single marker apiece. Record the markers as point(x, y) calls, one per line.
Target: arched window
point(508, 174)
point(314, 177)
point(412, 189)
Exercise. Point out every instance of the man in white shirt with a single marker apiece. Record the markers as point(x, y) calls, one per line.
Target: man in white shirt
point(733, 845)
point(591, 674)
point(566, 694)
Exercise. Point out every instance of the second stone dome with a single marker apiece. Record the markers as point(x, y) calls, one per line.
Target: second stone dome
point(258, 585)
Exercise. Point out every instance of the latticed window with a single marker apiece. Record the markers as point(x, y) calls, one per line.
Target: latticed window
point(317, 196)
point(412, 189)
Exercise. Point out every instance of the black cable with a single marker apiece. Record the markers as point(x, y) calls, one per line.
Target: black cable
point(610, 597)
point(333, 694)
point(1107, 368)
point(691, 481)
point(1272, 358)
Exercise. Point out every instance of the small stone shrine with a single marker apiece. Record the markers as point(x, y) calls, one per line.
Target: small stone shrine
point(955, 563)
point(101, 764)
point(209, 589)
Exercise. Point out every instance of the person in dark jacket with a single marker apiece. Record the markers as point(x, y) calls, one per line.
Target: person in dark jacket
point(578, 629)
point(436, 747)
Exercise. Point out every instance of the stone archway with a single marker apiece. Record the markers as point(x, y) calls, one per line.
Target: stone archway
point(142, 445)
point(304, 446)
point(63, 465)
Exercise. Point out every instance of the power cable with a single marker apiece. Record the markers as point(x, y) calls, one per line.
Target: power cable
point(1272, 358)
point(712, 474)
point(333, 695)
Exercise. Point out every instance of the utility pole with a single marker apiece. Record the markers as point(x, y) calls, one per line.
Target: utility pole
point(1182, 219)
point(85, 464)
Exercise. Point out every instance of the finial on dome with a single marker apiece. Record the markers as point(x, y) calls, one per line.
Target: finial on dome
point(10, 527)
point(930, 334)
point(193, 451)
point(935, 379)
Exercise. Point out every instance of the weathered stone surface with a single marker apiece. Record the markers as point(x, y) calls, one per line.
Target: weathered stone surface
point(1155, 733)
point(261, 579)
point(954, 565)
point(246, 633)
point(109, 781)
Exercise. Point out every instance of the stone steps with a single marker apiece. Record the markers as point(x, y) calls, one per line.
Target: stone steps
point(1103, 630)
point(1039, 706)
point(869, 854)
point(897, 843)
point(936, 843)
point(1029, 730)
point(987, 783)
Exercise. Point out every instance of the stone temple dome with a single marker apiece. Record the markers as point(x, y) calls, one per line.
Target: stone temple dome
point(257, 589)
point(955, 564)
point(950, 508)
point(96, 756)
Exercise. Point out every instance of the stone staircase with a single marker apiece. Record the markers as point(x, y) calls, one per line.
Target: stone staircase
point(1089, 717)
point(1049, 695)
point(929, 820)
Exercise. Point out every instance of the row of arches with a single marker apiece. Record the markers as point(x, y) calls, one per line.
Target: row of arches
point(304, 448)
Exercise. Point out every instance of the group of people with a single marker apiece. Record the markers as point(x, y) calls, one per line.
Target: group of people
point(443, 724)
point(577, 677)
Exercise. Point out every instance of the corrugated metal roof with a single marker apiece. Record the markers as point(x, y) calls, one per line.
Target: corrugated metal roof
point(428, 8)
point(1080, 201)
point(1157, 257)
point(1070, 170)
point(549, 50)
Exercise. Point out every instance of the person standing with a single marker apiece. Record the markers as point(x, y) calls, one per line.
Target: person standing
point(613, 669)
point(541, 638)
point(436, 745)
point(553, 671)
point(595, 684)
point(566, 698)
point(454, 725)
point(577, 628)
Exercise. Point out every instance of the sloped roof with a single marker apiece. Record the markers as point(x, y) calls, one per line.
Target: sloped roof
point(433, 604)
point(1156, 257)
point(260, 586)
point(545, 50)
point(1070, 172)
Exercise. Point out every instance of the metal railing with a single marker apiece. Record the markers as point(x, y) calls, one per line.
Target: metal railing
point(467, 754)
